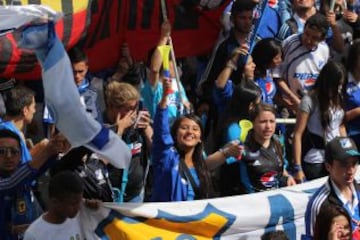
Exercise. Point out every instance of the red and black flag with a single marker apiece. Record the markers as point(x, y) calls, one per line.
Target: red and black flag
point(101, 26)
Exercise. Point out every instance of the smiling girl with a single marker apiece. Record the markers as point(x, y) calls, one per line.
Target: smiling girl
point(180, 166)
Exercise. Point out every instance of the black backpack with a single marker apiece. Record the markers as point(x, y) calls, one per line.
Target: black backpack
point(92, 171)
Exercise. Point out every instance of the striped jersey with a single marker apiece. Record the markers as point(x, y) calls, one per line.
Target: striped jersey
point(302, 66)
point(329, 194)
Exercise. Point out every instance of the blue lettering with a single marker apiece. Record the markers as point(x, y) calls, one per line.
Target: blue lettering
point(306, 76)
point(280, 207)
point(185, 237)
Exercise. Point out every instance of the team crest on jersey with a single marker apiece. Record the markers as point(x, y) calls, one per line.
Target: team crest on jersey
point(21, 206)
point(269, 87)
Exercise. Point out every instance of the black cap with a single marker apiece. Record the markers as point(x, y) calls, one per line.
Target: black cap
point(340, 149)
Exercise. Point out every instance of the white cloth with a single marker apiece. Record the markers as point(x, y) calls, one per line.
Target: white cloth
point(61, 94)
point(311, 106)
point(14, 17)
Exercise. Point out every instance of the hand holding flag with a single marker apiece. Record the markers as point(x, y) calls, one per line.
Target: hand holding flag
point(164, 52)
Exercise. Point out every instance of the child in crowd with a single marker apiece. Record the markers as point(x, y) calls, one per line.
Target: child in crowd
point(61, 221)
point(332, 223)
point(267, 56)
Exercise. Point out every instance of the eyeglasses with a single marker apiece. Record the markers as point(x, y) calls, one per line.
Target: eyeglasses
point(126, 107)
point(9, 151)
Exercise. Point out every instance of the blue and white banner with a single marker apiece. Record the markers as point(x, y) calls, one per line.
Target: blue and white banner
point(239, 217)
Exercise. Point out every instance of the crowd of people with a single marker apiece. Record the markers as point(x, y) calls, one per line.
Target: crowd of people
point(194, 132)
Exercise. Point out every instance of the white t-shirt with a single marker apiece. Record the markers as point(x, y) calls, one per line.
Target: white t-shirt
point(301, 66)
point(42, 230)
point(310, 105)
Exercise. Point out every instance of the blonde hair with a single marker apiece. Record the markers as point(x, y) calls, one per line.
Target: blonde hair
point(118, 93)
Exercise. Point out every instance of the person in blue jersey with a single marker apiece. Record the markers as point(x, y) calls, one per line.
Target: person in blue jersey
point(352, 93)
point(341, 189)
point(226, 81)
point(181, 171)
point(266, 56)
point(263, 164)
point(320, 118)
point(245, 97)
point(153, 87)
point(18, 206)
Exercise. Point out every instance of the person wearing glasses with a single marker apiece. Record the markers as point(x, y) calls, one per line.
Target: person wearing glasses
point(125, 115)
point(18, 206)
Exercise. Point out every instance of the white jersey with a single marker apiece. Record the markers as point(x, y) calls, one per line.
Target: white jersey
point(302, 66)
point(42, 230)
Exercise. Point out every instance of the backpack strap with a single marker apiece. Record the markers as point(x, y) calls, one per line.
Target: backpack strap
point(185, 172)
point(291, 22)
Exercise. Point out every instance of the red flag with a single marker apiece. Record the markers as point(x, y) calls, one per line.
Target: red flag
point(194, 32)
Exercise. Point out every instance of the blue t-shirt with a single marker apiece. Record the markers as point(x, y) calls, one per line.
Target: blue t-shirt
point(191, 193)
point(152, 96)
point(268, 89)
point(352, 101)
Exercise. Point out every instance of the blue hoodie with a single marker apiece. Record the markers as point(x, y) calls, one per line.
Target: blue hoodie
point(168, 185)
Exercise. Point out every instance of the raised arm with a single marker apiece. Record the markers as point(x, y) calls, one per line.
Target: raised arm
point(156, 59)
point(231, 149)
point(230, 66)
point(29, 171)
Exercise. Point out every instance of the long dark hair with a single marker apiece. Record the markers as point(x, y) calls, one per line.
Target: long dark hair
point(263, 54)
point(244, 94)
point(326, 90)
point(202, 171)
point(324, 219)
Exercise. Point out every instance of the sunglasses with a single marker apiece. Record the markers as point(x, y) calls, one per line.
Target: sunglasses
point(9, 151)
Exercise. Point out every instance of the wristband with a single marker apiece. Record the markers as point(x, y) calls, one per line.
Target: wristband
point(297, 168)
point(230, 64)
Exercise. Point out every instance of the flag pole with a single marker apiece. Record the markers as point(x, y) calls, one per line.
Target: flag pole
point(172, 52)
